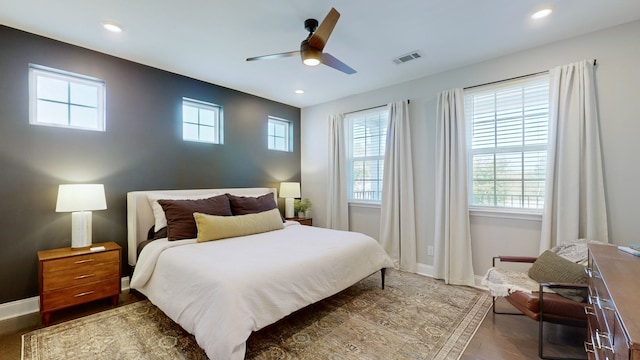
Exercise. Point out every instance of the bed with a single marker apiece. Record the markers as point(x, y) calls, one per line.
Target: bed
point(221, 291)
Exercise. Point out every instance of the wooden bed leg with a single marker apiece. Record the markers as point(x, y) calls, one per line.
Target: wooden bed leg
point(382, 272)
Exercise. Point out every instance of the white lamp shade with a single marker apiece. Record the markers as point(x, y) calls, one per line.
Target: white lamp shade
point(290, 189)
point(81, 197)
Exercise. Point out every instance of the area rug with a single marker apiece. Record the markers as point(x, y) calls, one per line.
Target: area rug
point(414, 317)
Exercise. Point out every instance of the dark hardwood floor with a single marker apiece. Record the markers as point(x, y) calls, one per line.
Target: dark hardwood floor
point(515, 337)
point(500, 337)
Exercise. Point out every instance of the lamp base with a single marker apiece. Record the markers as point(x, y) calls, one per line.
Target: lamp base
point(288, 207)
point(80, 229)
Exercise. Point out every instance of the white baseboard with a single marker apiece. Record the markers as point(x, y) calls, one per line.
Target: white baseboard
point(426, 270)
point(429, 270)
point(31, 305)
point(19, 307)
point(124, 283)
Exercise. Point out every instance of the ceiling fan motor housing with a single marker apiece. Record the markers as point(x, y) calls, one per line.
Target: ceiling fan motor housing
point(310, 55)
point(311, 25)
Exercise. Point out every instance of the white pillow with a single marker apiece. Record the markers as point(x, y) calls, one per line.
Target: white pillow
point(158, 213)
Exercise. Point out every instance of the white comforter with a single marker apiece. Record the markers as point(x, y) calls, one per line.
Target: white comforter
point(222, 290)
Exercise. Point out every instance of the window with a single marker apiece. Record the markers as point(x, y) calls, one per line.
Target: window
point(201, 121)
point(279, 134)
point(507, 128)
point(366, 137)
point(63, 99)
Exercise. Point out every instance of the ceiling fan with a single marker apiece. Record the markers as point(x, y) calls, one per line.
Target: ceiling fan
point(311, 47)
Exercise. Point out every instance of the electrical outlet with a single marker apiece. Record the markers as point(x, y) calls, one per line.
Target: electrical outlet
point(430, 250)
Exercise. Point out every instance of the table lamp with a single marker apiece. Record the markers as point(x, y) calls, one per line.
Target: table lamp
point(80, 200)
point(288, 191)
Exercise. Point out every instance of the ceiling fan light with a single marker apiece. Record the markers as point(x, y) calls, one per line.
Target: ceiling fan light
point(311, 62)
point(310, 55)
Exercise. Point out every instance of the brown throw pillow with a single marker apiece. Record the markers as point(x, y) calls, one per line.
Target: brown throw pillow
point(551, 267)
point(179, 213)
point(243, 205)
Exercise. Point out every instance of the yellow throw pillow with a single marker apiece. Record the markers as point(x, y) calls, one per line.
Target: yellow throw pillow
point(212, 227)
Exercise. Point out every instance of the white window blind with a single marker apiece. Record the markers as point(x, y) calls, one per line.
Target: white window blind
point(201, 121)
point(508, 125)
point(366, 136)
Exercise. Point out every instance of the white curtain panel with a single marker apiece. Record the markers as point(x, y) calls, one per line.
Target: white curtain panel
point(337, 183)
point(452, 256)
point(574, 206)
point(397, 214)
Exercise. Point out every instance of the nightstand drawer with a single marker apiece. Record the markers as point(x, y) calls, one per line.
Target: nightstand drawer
point(80, 294)
point(79, 275)
point(80, 260)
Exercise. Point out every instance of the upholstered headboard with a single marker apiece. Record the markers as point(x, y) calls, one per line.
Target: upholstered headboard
point(140, 216)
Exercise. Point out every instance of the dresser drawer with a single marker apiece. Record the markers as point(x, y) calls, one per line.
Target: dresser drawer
point(79, 275)
point(55, 300)
point(614, 317)
point(80, 260)
point(620, 342)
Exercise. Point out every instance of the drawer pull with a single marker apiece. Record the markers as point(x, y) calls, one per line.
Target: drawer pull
point(83, 261)
point(602, 305)
point(596, 300)
point(592, 273)
point(84, 294)
point(588, 347)
point(84, 276)
point(589, 310)
point(604, 335)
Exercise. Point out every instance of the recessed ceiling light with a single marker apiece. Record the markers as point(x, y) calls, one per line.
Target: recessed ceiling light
point(299, 91)
point(112, 27)
point(541, 13)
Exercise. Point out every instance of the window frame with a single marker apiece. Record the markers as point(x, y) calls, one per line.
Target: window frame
point(349, 139)
point(37, 71)
point(218, 122)
point(288, 136)
point(525, 213)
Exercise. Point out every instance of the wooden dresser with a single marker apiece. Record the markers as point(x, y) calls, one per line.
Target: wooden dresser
point(70, 277)
point(614, 295)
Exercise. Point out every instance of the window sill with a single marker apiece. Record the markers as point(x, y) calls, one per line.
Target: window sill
point(516, 214)
point(364, 204)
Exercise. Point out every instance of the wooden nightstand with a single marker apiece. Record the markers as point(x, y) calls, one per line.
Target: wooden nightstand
point(302, 221)
point(69, 277)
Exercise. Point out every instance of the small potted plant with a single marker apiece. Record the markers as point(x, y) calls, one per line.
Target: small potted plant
point(301, 207)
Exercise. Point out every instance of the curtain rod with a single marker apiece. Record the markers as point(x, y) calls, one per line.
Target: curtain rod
point(370, 108)
point(516, 78)
point(509, 79)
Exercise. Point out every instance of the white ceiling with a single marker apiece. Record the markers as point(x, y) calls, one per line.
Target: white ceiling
point(210, 40)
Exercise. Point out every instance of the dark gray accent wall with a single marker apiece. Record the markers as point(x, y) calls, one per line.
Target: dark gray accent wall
point(142, 149)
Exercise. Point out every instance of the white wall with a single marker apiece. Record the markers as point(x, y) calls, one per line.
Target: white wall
point(618, 79)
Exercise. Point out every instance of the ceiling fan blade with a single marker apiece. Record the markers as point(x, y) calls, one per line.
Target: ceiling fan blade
point(275, 56)
point(319, 38)
point(331, 61)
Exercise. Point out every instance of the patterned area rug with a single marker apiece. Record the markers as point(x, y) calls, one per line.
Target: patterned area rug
point(415, 317)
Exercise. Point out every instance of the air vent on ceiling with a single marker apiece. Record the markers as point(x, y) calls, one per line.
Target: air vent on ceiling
point(407, 57)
